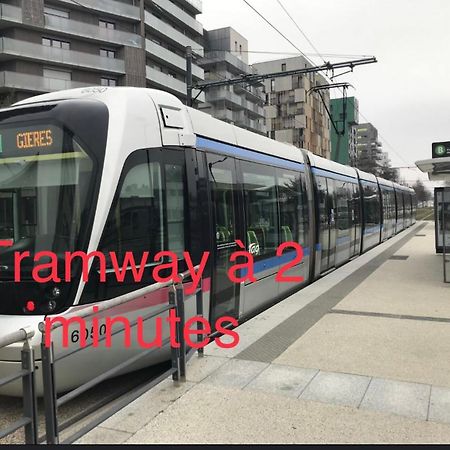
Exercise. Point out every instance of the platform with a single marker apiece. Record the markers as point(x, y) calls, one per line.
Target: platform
point(359, 356)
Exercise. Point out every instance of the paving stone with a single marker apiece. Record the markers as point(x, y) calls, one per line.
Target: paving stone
point(101, 435)
point(236, 373)
point(283, 380)
point(138, 413)
point(398, 397)
point(439, 405)
point(337, 388)
point(200, 367)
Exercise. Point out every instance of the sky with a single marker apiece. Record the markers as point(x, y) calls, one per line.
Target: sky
point(406, 95)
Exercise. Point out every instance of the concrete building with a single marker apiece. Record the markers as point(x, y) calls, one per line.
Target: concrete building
point(226, 57)
point(61, 44)
point(344, 113)
point(370, 153)
point(292, 114)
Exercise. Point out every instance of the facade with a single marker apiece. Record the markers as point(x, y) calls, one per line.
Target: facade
point(370, 154)
point(62, 44)
point(344, 113)
point(226, 57)
point(293, 114)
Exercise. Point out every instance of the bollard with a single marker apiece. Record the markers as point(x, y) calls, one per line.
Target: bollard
point(175, 352)
point(50, 400)
point(179, 291)
point(199, 301)
point(29, 394)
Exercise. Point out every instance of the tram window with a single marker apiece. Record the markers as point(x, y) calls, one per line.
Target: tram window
point(135, 222)
point(399, 198)
point(175, 208)
point(290, 201)
point(304, 215)
point(261, 206)
point(343, 190)
point(223, 201)
point(371, 206)
point(322, 192)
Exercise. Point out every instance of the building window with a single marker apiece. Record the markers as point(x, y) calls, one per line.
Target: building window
point(56, 12)
point(106, 24)
point(57, 74)
point(111, 82)
point(107, 53)
point(283, 67)
point(49, 42)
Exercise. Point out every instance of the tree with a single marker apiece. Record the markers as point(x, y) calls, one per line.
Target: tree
point(423, 194)
point(389, 173)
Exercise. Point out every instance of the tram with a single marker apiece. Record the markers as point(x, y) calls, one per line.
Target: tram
point(132, 170)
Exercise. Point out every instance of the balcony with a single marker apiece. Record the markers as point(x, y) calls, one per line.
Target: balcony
point(171, 33)
point(169, 84)
point(169, 58)
point(224, 56)
point(179, 15)
point(224, 95)
point(165, 81)
point(195, 5)
point(223, 114)
point(22, 49)
point(34, 83)
point(10, 14)
point(119, 9)
point(88, 31)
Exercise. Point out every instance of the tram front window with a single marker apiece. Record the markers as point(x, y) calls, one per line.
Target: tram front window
point(45, 179)
point(41, 201)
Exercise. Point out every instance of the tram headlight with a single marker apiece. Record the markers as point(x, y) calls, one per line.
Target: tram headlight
point(48, 307)
point(55, 292)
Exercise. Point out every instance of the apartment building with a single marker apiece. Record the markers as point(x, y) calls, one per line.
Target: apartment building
point(49, 45)
point(226, 57)
point(369, 148)
point(294, 114)
point(345, 116)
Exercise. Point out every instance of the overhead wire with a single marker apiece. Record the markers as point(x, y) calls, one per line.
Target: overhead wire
point(326, 75)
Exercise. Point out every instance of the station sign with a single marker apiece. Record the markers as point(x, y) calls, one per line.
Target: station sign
point(441, 149)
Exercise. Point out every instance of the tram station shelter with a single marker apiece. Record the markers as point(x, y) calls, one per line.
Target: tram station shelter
point(438, 169)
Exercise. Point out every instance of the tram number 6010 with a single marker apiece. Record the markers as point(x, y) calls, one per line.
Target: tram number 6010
point(75, 336)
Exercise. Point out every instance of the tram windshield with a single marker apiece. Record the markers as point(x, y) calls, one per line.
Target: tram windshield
point(44, 176)
point(50, 155)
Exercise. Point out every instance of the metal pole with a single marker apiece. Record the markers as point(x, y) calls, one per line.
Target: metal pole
point(199, 300)
point(48, 375)
point(444, 249)
point(189, 75)
point(175, 352)
point(180, 307)
point(29, 394)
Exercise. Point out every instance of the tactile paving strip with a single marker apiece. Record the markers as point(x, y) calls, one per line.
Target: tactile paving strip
point(275, 342)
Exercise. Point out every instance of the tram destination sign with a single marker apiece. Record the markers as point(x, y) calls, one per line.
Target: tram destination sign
point(441, 149)
point(23, 141)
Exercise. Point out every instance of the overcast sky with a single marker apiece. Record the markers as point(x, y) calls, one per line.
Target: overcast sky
point(406, 95)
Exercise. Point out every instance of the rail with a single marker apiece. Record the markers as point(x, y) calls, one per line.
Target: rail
point(28, 420)
point(178, 357)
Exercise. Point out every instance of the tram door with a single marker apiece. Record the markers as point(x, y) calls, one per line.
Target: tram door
point(226, 225)
point(332, 212)
point(327, 222)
